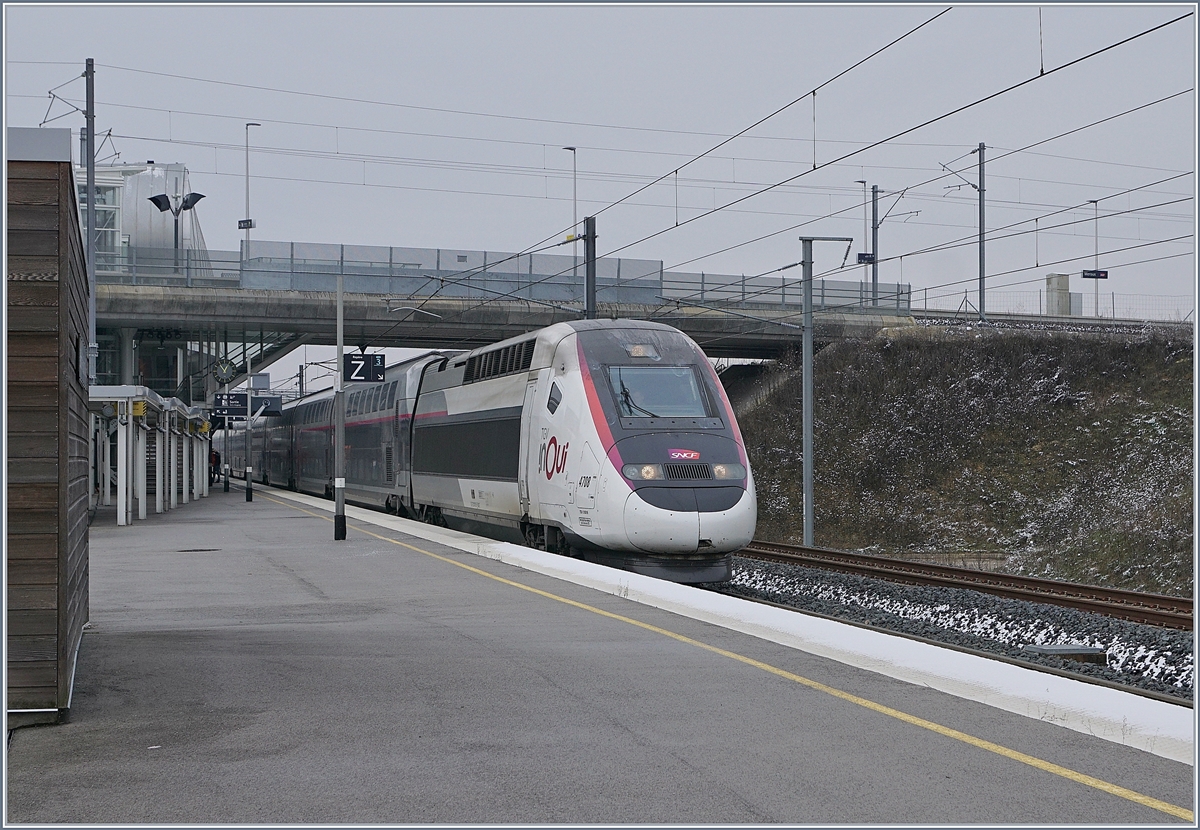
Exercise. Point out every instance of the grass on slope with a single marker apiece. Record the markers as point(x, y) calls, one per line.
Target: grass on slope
point(1069, 453)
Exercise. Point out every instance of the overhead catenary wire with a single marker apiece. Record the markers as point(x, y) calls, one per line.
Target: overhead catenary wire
point(543, 241)
point(843, 268)
point(921, 125)
point(487, 139)
point(551, 171)
point(379, 159)
point(1051, 71)
point(840, 74)
point(703, 341)
point(966, 242)
point(765, 118)
point(701, 184)
point(970, 280)
point(943, 176)
point(953, 243)
point(967, 239)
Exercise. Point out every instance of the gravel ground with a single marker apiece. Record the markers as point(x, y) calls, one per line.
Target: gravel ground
point(1148, 657)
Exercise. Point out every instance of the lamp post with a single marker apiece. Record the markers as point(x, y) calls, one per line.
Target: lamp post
point(163, 203)
point(248, 223)
point(574, 214)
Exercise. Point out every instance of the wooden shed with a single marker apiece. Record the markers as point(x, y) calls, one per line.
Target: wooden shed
point(47, 422)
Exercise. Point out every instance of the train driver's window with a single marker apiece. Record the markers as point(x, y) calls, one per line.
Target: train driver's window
point(555, 398)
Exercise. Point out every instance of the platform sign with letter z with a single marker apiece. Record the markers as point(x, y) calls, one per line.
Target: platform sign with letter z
point(362, 368)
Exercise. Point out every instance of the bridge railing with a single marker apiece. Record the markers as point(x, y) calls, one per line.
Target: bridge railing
point(775, 291)
point(1084, 304)
point(479, 275)
point(424, 272)
point(168, 266)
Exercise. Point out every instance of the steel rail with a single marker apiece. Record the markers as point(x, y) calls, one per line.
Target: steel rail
point(1150, 609)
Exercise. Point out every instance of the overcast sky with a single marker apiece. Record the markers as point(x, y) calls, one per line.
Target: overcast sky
point(442, 126)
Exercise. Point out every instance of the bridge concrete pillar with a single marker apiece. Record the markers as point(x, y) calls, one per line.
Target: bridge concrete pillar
point(128, 357)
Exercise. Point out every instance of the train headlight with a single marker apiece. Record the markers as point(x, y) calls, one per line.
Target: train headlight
point(728, 471)
point(642, 472)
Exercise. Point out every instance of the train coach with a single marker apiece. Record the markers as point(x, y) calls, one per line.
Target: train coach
point(609, 440)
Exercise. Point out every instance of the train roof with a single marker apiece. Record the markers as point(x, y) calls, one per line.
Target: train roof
point(557, 331)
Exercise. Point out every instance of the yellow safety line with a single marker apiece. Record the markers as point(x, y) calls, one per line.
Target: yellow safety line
point(1046, 766)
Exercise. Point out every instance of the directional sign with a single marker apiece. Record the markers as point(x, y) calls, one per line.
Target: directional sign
point(232, 404)
point(1095, 275)
point(866, 259)
point(245, 224)
point(363, 367)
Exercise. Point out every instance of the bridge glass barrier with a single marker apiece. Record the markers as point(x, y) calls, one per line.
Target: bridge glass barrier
point(169, 266)
point(1085, 304)
point(775, 291)
point(479, 275)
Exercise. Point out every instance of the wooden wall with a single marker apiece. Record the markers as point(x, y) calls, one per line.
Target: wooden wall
point(46, 396)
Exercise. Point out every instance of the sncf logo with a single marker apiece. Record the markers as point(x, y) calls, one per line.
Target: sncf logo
point(683, 455)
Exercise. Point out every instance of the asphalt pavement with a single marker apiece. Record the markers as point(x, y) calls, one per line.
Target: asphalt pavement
point(242, 667)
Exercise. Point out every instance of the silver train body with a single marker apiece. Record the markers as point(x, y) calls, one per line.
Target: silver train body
point(609, 440)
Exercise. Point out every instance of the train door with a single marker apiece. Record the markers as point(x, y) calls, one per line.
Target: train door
point(398, 480)
point(529, 442)
point(293, 452)
point(418, 390)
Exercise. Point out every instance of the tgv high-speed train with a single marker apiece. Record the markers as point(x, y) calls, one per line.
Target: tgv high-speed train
point(609, 440)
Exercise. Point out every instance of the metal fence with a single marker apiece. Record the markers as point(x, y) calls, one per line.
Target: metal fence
point(424, 272)
point(558, 279)
point(828, 295)
point(1084, 304)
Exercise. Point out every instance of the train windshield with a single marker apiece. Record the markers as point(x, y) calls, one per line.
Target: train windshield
point(657, 392)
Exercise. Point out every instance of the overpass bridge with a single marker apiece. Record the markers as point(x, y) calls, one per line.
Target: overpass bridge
point(270, 297)
point(166, 316)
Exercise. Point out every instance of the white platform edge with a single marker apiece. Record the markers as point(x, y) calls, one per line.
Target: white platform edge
point(1163, 729)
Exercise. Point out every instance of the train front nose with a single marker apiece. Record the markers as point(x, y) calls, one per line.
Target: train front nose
point(666, 526)
point(687, 519)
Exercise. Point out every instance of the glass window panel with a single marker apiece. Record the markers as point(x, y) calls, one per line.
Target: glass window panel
point(657, 392)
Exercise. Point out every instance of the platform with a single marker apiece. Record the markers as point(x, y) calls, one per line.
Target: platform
point(242, 667)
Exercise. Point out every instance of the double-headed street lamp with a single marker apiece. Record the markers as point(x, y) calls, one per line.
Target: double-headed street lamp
point(163, 203)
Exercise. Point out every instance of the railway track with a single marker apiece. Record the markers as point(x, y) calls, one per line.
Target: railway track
point(1149, 609)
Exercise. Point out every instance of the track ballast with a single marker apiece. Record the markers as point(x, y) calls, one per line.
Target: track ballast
point(1150, 659)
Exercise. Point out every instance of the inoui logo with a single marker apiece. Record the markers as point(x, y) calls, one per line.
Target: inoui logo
point(683, 455)
point(556, 457)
